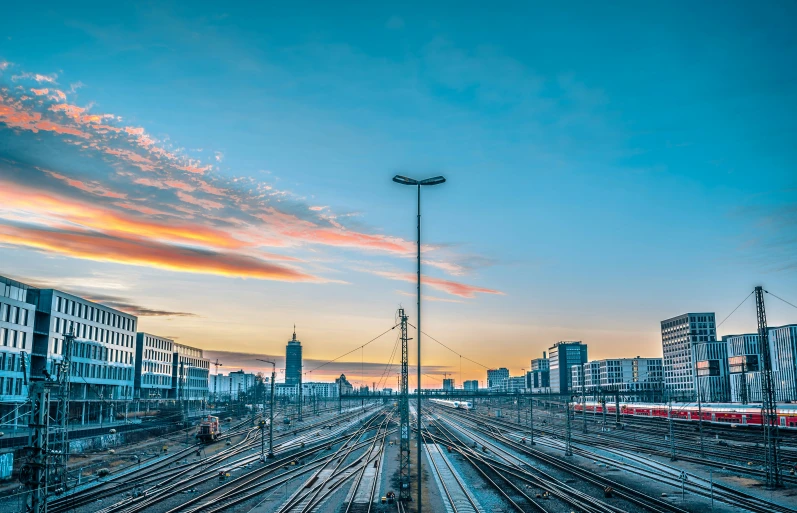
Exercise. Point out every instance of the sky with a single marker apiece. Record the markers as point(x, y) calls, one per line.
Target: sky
point(224, 172)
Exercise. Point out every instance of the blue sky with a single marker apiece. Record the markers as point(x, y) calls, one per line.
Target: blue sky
point(608, 166)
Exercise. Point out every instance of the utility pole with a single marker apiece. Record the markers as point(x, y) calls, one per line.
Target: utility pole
point(669, 420)
point(61, 430)
point(568, 448)
point(700, 417)
point(584, 400)
point(404, 413)
point(531, 417)
point(216, 381)
point(769, 406)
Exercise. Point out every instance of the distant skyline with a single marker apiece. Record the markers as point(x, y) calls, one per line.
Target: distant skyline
point(225, 171)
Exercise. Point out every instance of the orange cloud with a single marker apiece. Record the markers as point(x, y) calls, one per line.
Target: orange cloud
point(177, 184)
point(452, 287)
point(143, 163)
point(93, 188)
point(40, 92)
point(41, 204)
point(144, 252)
point(17, 118)
point(198, 202)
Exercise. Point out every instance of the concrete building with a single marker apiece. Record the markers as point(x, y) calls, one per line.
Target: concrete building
point(293, 361)
point(471, 385)
point(103, 353)
point(679, 335)
point(232, 386)
point(495, 375)
point(636, 379)
point(540, 373)
point(746, 362)
point(345, 388)
point(562, 357)
point(221, 388)
point(190, 375)
point(320, 390)
point(448, 384)
point(17, 315)
point(153, 369)
point(713, 379)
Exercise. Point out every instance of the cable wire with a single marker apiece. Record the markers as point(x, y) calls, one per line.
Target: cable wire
point(355, 349)
point(456, 353)
point(734, 310)
point(773, 295)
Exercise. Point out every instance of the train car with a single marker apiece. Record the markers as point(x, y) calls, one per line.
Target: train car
point(457, 405)
point(209, 429)
point(719, 413)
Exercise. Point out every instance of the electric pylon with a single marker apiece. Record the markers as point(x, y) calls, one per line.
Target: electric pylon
point(404, 411)
point(768, 406)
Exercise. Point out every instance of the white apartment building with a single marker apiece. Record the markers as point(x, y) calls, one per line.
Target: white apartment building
point(678, 338)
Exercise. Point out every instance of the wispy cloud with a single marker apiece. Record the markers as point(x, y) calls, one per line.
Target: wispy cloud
point(130, 198)
point(451, 287)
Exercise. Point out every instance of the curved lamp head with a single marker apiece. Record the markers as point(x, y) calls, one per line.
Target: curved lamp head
point(404, 180)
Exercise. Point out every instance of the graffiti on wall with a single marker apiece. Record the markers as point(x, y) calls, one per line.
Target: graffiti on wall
point(6, 465)
point(94, 443)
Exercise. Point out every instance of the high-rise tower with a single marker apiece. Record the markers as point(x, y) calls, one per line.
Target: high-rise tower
point(293, 361)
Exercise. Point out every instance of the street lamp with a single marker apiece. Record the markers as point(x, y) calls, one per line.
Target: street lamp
point(403, 180)
point(270, 415)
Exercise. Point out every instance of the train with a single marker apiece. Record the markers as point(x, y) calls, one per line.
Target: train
point(459, 405)
point(734, 414)
point(209, 429)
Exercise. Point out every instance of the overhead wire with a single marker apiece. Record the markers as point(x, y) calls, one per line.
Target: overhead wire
point(353, 350)
point(773, 295)
point(453, 351)
point(734, 310)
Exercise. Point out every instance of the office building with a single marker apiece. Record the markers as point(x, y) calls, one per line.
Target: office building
point(448, 384)
point(293, 361)
point(495, 375)
point(540, 373)
point(319, 390)
point(636, 379)
point(471, 385)
point(153, 369)
point(103, 352)
point(679, 335)
point(190, 375)
point(712, 381)
point(17, 315)
point(746, 363)
point(562, 357)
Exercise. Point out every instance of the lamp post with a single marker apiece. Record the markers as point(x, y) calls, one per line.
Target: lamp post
point(403, 180)
point(270, 414)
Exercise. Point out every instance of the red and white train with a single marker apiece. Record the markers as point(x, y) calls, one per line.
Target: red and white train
point(209, 429)
point(458, 405)
point(742, 414)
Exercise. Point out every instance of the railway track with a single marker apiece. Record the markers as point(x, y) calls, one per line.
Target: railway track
point(338, 470)
point(739, 457)
point(507, 465)
point(643, 467)
point(168, 477)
